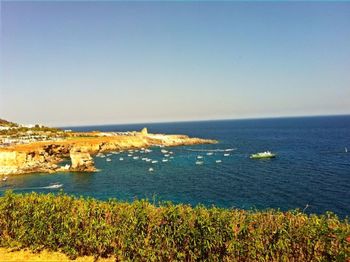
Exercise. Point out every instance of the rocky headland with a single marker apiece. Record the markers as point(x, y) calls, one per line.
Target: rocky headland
point(46, 156)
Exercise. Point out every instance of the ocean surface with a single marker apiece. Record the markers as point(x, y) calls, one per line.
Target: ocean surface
point(311, 171)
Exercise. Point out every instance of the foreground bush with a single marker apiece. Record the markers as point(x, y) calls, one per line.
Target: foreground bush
point(140, 231)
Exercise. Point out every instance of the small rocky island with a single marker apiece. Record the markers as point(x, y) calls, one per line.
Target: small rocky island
point(28, 149)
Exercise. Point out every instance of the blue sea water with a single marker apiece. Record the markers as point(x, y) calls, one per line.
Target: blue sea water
point(312, 167)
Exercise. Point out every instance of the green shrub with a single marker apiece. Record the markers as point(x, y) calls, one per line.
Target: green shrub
point(140, 231)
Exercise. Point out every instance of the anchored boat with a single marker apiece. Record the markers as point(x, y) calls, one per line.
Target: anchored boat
point(266, 154)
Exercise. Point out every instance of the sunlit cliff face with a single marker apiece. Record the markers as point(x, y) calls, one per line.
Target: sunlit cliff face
point(45, 156)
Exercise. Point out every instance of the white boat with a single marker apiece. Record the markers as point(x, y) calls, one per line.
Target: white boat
point(4, 178)
point(218, 161)
point(129, 155)
point(209, 154)
point(154, 161)
point(199, 162)
point(199, 157)
point(135, 157)
point(165, 160)
point(54, 185)
point(121, 159)
point(108, 154)
point(150, 169)
point(226, 154)
point(166, 155)
point(108, 159)
point(148, 160)
point(266, 154)
point(164, 151)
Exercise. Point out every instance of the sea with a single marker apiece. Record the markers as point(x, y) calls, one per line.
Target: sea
point(311, 171)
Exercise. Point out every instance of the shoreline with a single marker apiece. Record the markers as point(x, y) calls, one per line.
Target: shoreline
point(79, 147)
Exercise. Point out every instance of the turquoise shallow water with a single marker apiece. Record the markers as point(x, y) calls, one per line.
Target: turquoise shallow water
point(312, 167)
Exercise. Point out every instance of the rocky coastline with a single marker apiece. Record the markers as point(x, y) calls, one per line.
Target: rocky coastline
point(46, 156)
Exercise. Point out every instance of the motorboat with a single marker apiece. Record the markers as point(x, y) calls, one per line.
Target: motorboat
point(266, 154)
point(54, 185)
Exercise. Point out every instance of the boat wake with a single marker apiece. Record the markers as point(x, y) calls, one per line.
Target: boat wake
point(212, 150)
point(51, 186)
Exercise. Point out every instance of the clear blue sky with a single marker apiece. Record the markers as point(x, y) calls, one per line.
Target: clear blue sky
point(75, 63)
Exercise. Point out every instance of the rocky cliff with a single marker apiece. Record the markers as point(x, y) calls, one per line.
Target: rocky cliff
point(45, 156)
point(81, 161)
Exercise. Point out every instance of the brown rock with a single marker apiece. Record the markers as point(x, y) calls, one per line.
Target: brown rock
point(82, 161)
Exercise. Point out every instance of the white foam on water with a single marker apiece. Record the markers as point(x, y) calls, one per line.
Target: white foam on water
point(53, 186)
point(212, 150)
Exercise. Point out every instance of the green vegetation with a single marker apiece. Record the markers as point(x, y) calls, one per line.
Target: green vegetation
point(140, 231)
point(21, 130)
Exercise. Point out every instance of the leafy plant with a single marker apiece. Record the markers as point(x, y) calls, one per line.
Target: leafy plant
point(141, 231)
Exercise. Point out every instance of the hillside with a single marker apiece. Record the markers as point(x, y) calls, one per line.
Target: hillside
point(4, 122)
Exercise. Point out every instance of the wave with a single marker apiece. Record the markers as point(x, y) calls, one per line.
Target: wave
point(212, 150)
point(51, 186)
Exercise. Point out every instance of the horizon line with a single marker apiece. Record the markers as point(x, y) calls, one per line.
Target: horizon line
point(207, 120)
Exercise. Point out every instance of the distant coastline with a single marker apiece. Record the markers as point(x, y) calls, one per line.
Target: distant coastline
point(41, 149)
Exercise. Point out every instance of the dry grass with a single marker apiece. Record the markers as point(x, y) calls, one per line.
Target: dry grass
point(26, 255)
point(68, 141)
